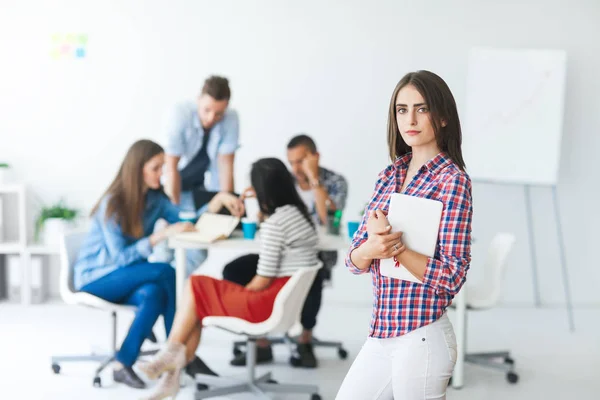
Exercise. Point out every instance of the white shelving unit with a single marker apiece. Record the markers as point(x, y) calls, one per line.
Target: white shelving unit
point(19, 246)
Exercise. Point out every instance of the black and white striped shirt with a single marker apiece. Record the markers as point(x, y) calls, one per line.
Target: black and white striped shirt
point(288, 242)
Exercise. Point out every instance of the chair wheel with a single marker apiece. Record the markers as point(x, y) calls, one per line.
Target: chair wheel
point(56, 368)
point(512, 377)
point(296, 362)
point(342, 353)
point(201, 386)
point(97, 382)
point(509, 360)
point(315, 396)
point(236, 351)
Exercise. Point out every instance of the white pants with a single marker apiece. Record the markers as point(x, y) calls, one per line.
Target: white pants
point(415, 366)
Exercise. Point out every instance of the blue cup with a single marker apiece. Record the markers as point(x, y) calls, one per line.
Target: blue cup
point(249, 229)
point(352, 228)
point(188, 216)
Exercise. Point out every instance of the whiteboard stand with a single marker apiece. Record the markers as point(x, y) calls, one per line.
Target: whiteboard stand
point(563, 260)
point(534, 272)
point(561, 249)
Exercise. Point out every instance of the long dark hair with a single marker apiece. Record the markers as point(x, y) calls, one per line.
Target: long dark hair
point(126, 200)
point(274, 187)
point(441, 105)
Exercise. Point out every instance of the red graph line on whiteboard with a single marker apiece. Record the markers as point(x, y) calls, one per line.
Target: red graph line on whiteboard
point(504, 118)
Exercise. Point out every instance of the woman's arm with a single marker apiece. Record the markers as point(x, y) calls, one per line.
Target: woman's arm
point(168, 210)
point(259, 283)
point(119, 250)
point(269, 256)
point(447, 272)
point(227, 200)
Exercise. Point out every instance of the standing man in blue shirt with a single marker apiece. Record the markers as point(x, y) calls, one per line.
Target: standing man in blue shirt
point(202, 140)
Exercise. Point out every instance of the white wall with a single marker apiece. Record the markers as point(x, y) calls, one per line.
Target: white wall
point(325, 68)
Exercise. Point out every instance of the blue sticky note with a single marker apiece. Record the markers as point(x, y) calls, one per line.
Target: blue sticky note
point(80, 52)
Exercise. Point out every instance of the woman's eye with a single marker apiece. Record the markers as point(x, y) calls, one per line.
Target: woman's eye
point(423, 109)
point(401, 110)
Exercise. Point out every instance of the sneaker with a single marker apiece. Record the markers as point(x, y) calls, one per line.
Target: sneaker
point(264, 355)
point(305, 356)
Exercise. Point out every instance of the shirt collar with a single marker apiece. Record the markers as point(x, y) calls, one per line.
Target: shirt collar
point(434, 165)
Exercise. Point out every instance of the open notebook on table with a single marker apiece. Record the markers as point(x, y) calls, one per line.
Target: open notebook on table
point(419, 221)
point(210, 228)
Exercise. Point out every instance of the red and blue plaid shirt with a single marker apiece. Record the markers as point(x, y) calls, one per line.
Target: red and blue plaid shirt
point(402, 306)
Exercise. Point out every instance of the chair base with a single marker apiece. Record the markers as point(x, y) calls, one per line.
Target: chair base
point(290, 341)
point(499, 360)
point(104, 359)
point(259, 386)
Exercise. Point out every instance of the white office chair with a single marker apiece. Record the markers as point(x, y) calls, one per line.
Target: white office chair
point(292, 341)
point(70, 244)
point(485, 295)
point(286, 310)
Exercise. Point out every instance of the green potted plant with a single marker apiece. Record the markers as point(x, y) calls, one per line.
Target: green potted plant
point(53, 221)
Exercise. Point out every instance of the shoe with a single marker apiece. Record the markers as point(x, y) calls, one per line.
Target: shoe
point(128, 376)
point(152, 337)
point(197, 366)
point(264, 355)
point(168, 387)
point(170, 358)
point(305, 356)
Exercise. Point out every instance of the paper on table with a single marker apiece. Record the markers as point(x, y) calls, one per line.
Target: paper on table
point(211, 227)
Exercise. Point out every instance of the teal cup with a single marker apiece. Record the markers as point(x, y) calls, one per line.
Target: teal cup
point(352, 228)
point(249, 229)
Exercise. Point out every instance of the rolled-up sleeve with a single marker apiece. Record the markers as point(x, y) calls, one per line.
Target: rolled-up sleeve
point(169, 211)
point(448, 269)
point(175, 131)
point(271, 248)
point(337, 189)
point(231, 132)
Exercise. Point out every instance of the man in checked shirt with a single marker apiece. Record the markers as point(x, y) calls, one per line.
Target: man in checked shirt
point(321, 190)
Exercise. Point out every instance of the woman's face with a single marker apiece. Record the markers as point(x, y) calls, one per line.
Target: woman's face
point(153, 171)
point(413, 118)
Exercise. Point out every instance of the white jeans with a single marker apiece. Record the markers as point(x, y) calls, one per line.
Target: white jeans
point(415, 366)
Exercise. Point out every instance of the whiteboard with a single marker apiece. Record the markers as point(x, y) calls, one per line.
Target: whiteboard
point(514, 115)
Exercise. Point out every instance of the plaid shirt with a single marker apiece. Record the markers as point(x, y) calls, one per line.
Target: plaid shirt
point(401, 306)
point(336, 187)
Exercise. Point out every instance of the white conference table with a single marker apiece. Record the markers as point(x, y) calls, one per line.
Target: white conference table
point(326, 242)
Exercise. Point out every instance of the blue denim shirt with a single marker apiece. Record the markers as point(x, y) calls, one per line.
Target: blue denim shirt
point(185, 134)
point(107, 248)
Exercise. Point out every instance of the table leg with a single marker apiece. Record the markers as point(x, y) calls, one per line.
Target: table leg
point(179, 272)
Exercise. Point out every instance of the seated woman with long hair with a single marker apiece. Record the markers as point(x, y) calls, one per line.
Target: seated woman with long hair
point(113, 261)
point(288, 242)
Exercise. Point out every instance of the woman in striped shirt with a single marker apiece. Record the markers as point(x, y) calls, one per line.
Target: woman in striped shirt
point(288, 242)
point(411, 349)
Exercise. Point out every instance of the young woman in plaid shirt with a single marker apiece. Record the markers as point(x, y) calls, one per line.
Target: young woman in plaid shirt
point(411, 349)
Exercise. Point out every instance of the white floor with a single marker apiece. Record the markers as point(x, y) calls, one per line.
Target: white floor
point(552, 363)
